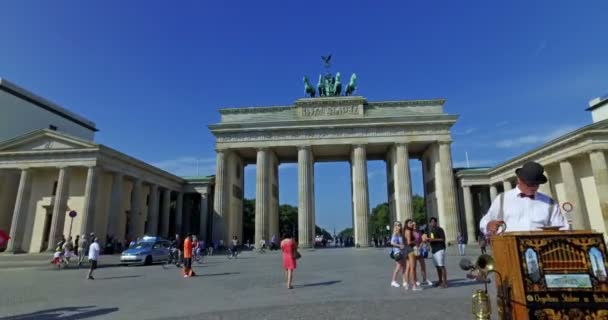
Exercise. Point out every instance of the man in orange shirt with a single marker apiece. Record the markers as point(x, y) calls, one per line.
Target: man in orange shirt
point(188, 257)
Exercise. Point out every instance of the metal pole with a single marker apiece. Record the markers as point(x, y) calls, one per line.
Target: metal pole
point(71, 222)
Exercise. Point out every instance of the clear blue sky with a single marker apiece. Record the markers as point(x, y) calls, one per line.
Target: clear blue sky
point(152, 74)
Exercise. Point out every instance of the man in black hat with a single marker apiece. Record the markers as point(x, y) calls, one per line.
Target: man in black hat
point(523, 208)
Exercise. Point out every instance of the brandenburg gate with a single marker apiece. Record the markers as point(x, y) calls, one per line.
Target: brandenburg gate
point(324, 129)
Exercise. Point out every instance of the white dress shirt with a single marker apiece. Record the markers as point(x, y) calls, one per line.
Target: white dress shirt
point(94, 251)
point(525, 214)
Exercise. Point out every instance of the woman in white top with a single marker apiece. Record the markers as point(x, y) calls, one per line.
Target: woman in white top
point(398, 249)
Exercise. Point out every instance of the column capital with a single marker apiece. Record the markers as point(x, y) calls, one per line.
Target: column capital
point(304, 147)
point(401, 144)
point(594, 150)
point(263, 149)
point(359, 145)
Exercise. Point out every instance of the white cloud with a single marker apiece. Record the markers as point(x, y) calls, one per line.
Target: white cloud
point(532, 139)
point(288, 166)
point(188, 166)
point(464, 132)
point(475, 163)
point(372, 174)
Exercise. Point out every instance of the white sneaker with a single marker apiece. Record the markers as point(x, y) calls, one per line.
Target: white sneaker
point(429, 282)
point(416, 288)
point(406, 286)
point(417, 283)
point(395, 284)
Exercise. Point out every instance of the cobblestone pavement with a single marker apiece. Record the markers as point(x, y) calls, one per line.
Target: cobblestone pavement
point(329, 284)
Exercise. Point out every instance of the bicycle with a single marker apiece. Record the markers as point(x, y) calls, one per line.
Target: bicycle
point(198, 255)
point(262, 249)
point(172, 259)
point(233, 253)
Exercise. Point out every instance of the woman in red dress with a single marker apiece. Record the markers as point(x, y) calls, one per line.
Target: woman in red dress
point(289, 248)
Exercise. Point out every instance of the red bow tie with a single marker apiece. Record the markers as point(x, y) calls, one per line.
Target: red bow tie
point(523, 195)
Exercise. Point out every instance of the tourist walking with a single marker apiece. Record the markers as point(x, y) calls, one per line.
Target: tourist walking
point(188, 257)
point(76, 244)
point(93, 257)
point(410, 244)
point(83, 249)
point(421, 251)
point(290, 252)
point(437, 240)
point(234, 245)
point(68, 250)
point(397, 253)
point(461, 245)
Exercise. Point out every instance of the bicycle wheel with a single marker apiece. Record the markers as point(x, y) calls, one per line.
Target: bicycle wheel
point(167, 263)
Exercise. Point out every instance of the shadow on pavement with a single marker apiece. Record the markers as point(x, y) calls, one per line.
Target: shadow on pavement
point(325, 283)
point(463, 283)
point(216, 274)
point(118, 277)
point(65, 313)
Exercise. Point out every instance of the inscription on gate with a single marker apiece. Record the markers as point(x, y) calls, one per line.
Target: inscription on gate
point(330, 111)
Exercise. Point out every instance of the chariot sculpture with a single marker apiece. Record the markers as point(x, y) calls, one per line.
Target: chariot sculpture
point(329, 85)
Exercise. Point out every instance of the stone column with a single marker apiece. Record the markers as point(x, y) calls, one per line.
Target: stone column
point(599, 166)
point(262, 196)
point(59, 208)
point(403, 186)
point(305, 196)
point(204, 216)
point(165, 213)
point(20, 212)
point(273, 219)
point(579, 221)
point(312, 218)
point(152, 226)
point(546, 187)
point(135, 210)
point(220, 196)
point(179, 205)
point(507, 185)
point(116, 208)
point(450, 224)
point(361, 195)
point(468, 211)
point(87, 224)
point(493, 192)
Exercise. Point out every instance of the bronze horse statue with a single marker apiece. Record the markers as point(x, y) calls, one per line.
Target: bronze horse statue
point(309, 90)
point(352, 85)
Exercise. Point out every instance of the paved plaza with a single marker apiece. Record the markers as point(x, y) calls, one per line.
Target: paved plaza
point(329, 284)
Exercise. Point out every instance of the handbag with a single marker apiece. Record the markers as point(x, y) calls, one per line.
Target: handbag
point(396, 255)
point(298, 255)
point(424, 252)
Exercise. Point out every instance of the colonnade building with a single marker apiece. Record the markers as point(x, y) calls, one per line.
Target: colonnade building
point(50, 166)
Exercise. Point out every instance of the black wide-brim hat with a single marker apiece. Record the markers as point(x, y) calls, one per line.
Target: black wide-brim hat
point(531, 172)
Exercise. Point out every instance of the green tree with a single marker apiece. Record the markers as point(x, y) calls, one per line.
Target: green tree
point(348, 232)
point(248, 220)
point(288, 220)
point(325, 233)
point(379, 219)
point(419, 210)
